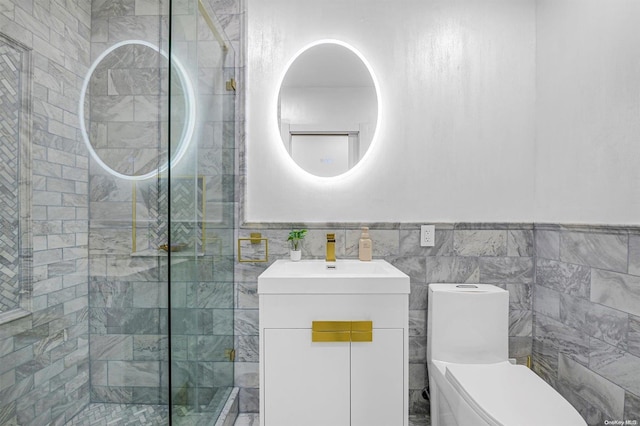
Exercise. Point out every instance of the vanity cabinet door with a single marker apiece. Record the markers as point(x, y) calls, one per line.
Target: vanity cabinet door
point(306, 383)
point(377, 380)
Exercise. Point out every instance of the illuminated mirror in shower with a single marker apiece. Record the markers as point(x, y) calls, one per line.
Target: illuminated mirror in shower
point(124, 110)
point(328, 108)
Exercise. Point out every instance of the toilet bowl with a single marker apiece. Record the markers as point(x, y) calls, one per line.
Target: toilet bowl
point(471, 381)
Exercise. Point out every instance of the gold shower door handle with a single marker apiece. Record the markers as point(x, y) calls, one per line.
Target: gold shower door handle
point(342, 331)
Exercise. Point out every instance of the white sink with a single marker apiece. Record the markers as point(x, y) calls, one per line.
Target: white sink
point(345, 276)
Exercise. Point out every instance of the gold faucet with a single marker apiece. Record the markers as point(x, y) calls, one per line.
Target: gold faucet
point(331, 248)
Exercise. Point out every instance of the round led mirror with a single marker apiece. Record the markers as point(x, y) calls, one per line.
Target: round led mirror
point(124, 120)
point(328, 108)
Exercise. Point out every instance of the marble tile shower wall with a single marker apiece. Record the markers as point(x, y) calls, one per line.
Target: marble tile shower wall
point(586, 340)
point(128, 301)
point(129, 327)
point(464, 253)
point(44, 364)
point(127, 309)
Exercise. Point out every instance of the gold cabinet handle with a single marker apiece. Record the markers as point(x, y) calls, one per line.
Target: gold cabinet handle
point(330, 336)
point(362, 326)
point(331, 325)
point(362, 331)
point(342, 331)
point(330, 331)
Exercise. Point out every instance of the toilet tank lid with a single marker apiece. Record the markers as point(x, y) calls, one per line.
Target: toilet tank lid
point(465, 288)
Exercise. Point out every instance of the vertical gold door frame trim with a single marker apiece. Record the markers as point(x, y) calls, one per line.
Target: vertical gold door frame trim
point(204, 212)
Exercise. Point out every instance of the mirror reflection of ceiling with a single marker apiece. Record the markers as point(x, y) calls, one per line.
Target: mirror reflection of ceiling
point(328, 109)
point(328, 65)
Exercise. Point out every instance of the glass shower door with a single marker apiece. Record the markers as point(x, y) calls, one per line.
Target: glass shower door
point(201, 215)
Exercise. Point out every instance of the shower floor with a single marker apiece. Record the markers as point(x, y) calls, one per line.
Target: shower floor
point(121, 414)
point(102, 414)
point(106, 414)
point(246, 419)
point(134, 415)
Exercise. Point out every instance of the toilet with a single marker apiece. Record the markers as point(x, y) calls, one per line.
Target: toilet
point(471, 381)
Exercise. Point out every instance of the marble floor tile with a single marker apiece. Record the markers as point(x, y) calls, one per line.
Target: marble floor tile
point(247, 419)
point(145, 415)
point(251, 419)
point(121, 414)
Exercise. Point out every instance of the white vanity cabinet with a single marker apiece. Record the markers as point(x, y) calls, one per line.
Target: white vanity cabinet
point(334, 356)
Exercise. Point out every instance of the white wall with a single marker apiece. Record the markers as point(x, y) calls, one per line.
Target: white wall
point(588, 109)
point(456, 137)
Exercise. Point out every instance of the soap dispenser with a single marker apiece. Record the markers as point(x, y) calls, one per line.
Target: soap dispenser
point(365, 246)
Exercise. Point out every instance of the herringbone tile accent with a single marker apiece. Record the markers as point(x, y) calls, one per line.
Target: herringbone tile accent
point(186, 210)
point(9, 141)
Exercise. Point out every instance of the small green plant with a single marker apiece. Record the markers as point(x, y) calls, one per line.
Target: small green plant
point(295, 236)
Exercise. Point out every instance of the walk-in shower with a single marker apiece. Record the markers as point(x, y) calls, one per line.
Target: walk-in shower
point(121, 303)
point(160, 128)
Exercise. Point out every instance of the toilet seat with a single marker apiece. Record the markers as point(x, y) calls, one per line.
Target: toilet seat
point(510, 395)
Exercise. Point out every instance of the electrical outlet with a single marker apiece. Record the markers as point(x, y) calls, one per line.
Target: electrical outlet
point(427, 235)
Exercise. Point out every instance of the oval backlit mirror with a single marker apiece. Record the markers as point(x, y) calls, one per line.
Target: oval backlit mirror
point(124, 118)
point(328, 108)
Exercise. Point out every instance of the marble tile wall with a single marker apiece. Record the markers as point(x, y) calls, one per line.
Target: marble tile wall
point(586, 333)
point(498, 254)
point(44, 366)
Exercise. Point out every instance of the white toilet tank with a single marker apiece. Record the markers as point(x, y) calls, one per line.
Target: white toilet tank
point(467, 323)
